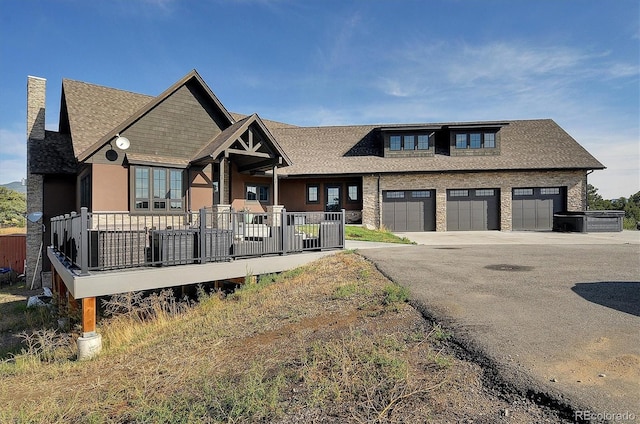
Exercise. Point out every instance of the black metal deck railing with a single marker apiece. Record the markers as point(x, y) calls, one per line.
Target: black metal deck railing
point(98, 241)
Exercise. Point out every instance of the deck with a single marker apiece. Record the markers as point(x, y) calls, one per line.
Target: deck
point(101, 253)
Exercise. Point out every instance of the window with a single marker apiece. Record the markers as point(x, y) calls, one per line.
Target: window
point(420, 194)
point(142, 188)
point(458, 193)
point(485, 193)
point(550, 190)
point(352, 193)
point(175, 189)
point(313, 194)
point(85, 191)
point(157, 189)
point(523, 192)
point(475, 140)
point(395, 142)
point(395, 194)
point(489, 140)
point(409, 142)
point(423, 142)
point(257, 192)
point(485, 140)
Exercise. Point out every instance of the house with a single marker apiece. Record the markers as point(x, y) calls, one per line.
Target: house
point(176, 153)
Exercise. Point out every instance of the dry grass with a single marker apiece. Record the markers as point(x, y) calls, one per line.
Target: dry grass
point(13, 230)
point(332, 342)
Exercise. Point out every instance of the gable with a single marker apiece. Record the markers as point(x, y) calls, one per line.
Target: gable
point(251, 144)
point(177, 127)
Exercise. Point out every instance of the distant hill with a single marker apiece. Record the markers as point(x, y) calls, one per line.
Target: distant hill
point(16, 186)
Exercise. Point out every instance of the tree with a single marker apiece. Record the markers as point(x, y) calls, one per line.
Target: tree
point(13, 207)
point(595, 201)
point(630, 206)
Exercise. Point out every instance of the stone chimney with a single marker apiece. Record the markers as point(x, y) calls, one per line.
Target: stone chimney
point(35, 135)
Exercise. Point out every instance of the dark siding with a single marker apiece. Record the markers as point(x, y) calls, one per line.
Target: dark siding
point(59, 199)
point(180, 127)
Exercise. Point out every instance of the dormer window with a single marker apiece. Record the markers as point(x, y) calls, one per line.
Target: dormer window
point(395, 143)
point(489, 140)
point(423, 142)
point(476, 140)
point(411, 142)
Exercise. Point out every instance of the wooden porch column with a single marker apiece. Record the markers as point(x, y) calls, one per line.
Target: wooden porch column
point(221, 182)
point(88, 316)
point(275, 186)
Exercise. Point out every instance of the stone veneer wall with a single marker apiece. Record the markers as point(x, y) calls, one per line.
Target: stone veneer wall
point(35, 131)
point(373, 185)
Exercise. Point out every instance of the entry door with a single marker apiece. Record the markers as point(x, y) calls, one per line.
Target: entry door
point(333, 198)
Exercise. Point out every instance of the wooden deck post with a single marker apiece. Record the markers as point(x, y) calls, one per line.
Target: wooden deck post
point(61, 291)
point(73, 305)
point(88, 315)
point(54, 282)
point(90, 343)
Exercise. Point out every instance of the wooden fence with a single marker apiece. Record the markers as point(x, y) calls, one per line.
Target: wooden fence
point(13, 251)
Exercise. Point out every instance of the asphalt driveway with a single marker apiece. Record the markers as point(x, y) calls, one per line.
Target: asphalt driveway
point(558, 318)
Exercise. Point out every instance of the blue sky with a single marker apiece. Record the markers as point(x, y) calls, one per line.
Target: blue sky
point(346, 62)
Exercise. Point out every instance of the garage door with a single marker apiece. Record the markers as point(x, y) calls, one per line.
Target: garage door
point(473, 210)
point(409, 210)
point(533, 208)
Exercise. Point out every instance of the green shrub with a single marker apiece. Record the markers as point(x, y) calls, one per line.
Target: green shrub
point(394, 293)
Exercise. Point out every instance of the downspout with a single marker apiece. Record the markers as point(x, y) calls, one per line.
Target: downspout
point(586, 189)
point(379, 206)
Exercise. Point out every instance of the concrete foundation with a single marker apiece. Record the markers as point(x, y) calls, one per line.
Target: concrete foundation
point(89, 346)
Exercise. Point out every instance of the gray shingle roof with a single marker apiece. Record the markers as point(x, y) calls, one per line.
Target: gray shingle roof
point(94, 110)
point(525, 144)
point(53, 155)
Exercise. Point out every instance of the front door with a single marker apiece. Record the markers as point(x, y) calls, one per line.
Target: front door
point(333, 198)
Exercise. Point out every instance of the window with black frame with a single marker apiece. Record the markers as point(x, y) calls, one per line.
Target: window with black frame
point(257, 192)
point(158, 189)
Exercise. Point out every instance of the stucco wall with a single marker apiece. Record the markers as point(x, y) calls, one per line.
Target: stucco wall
point(110, 188)
point(373, 185)
point(201, 187)
point(293, 193)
